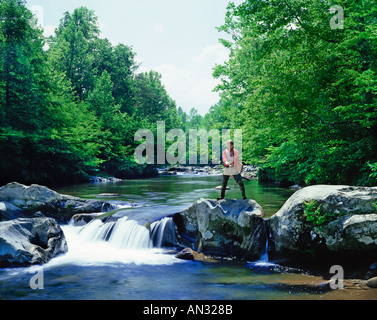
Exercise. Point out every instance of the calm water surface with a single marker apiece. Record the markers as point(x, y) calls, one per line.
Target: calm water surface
point(100, 271)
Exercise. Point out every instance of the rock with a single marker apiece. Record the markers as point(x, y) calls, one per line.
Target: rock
point(22, 196)
point(354, 232)
point(185, 254)
point(372, 283)
point(220, 187)
point(228, 228)
point(25, 242)
point(250, 172)
point(295, 187)
point(20, 201)
point(9, 211)
point(179, 169)
point(350, 233)
point(103, 180)
point(82, 219)
point(189, 254)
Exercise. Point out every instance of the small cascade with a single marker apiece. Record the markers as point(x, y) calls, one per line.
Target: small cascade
point(123, 234)
point(128, 234)
point(264, 261)
point(265, 257)
point(163, 233)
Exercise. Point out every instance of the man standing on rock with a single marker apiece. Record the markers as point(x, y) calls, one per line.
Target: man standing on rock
point(233, 167)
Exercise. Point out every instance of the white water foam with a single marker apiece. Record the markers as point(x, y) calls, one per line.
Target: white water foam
point(121, 242)
point(162, 231)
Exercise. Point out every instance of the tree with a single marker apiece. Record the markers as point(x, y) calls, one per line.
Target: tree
point(23, 86)
point(119, 62)
point(307, 93)
point(152, 100)
point(80, 32)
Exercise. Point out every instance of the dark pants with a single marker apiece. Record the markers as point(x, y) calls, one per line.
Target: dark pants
point(238, 179)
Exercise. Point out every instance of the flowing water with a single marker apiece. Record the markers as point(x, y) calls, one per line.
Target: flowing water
point(123, 260)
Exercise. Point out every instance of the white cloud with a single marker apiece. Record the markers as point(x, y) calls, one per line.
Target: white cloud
point(187, 91)
point(216, 54)
point(192, 86)
point(158, 28)
point(49, 30)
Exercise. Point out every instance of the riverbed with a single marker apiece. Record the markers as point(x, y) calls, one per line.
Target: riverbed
point(102, 270)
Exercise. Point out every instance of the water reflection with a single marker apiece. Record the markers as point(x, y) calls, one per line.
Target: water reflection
point(179, 191)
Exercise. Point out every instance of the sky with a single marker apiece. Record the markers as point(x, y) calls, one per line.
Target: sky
point(176, 38)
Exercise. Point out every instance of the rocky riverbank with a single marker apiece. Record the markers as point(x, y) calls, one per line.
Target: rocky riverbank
point(319, 224)
point(29, 222)
point(327, 223)
point(20, 201)
point(249, 172)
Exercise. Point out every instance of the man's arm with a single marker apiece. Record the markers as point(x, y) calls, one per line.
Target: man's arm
point(225, 159)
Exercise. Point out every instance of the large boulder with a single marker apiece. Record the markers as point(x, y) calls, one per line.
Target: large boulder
point(17, 200)
point(25, 242)
point(350, 231)
point(227, 228)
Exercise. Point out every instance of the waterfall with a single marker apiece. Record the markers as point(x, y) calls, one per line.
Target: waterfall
point(123, 241)
point(123, 234)
point(128, 234)
point(163, 233)
point(265, 257)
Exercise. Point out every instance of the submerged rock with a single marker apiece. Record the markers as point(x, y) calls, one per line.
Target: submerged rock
point(25, 242)
point(372, 283)
point(351, 233)
point(227, 228)
point(189, 254)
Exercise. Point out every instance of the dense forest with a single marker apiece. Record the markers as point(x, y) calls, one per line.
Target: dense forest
point(303, 93)
point(70, 105)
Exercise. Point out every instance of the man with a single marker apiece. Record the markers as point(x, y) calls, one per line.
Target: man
point(233, 167)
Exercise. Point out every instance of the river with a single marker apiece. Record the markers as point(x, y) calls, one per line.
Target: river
point(99, 270)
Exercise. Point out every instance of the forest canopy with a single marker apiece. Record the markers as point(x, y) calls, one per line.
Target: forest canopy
point(72, 110)
point(303, 93)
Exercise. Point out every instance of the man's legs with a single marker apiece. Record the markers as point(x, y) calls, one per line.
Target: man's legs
point(223, 188)
point(239, 180)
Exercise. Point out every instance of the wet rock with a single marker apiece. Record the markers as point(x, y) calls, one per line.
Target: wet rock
point(189, 254)
point(227, 228)
point(372, 283)
point(220, 187)
point(25, 242)
point(185, 254)
point(20, 201)
point(353, 233)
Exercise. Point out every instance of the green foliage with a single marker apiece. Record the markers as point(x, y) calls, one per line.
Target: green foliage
point(305, 95)
point(373, 167)
point(314, 214)
point(72, 110)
